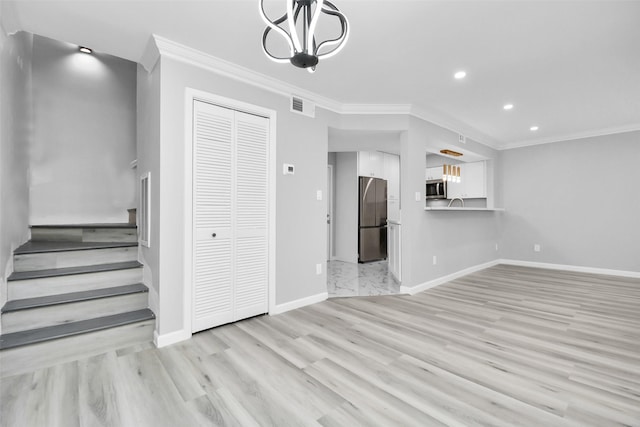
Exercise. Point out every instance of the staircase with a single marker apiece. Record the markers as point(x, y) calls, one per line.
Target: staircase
point(75, 291)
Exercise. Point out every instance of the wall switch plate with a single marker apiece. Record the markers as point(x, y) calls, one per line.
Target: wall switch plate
point(418, 196)
point(318, 268)
point(537, 248)
point(435, 260)
point(319, 194)
point(462, 139)
point(288, 169)
point(496, 246)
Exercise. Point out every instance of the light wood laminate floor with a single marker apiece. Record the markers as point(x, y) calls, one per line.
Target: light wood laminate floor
point(505, 346)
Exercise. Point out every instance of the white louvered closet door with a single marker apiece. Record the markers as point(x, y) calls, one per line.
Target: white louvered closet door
point(230, 215)
point(251, 208)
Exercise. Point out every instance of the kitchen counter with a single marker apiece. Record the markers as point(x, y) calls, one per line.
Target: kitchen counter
point(444, 208)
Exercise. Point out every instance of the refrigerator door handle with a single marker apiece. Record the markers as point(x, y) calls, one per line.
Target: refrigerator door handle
point(366, 189)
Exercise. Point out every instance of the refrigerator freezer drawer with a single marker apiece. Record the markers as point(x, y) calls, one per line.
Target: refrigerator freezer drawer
point(372, 244)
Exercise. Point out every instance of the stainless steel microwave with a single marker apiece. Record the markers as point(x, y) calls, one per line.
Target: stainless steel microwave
point(436, 189)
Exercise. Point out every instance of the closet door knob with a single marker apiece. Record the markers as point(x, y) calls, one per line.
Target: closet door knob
point(213, 235)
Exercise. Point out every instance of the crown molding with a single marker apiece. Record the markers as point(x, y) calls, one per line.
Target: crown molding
point(150, 55)
point(454, 125)
point(568, 137)
point(9, 19)
point(186, 54)
point(384, 109)
point(160, 46)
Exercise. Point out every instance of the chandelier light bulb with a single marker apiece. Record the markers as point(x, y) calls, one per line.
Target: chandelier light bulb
point(304, 52)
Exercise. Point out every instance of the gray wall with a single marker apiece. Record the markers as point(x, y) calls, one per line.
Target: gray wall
point(346, 217)
point(578, 199)
point(15, 116)
point(459, 240)
point(84, 136)
point(148, 154)
point(301, 219)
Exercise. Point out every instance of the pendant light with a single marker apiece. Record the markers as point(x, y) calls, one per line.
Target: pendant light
point(451, 173)
point(303, 15)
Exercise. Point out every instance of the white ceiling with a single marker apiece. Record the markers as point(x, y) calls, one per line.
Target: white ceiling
point(570, 67)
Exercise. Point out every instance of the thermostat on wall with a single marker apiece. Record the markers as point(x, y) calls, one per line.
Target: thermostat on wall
point(287, 169)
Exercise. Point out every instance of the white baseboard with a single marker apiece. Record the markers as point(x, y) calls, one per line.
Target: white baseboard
point(411, 290)
point(575, 268)
point(170, 338)
point(292, 305)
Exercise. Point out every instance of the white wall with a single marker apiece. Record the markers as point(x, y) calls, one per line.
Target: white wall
point(578, 199)
point(15, 114)
point(346, 207)
point(84, 136)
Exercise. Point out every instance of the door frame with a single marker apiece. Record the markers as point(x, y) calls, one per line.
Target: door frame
point(330, 201)
point(192, 95)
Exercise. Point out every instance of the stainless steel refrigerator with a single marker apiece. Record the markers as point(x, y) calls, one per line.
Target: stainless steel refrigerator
point(372, 222)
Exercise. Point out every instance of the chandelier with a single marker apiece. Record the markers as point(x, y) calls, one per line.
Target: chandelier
point(302, 16)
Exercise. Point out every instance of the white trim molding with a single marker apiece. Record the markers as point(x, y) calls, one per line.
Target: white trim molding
point(569, 137)
point(188, 55)
point(299, 303)
point(150, 55)
point(574, 268)
point(412, 290)
point(170, 338)
point(160, 46)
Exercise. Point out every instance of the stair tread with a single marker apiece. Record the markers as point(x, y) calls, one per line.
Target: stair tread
point(17, 339)
point(114, 225)
point(49, 300)
point(54, 272)
point(34, 247)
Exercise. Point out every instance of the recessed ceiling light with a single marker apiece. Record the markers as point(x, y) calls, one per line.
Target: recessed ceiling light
point(460, 75)
point(508, 106)
point(533, 128)
point(85, 49)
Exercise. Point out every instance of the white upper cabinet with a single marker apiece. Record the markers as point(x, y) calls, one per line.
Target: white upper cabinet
point(473, 183)
point(385, 166)
point(371, 163)
point(433, 173)
point(392, 175)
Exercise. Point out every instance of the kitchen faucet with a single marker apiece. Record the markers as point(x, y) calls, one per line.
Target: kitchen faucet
point(453, 200)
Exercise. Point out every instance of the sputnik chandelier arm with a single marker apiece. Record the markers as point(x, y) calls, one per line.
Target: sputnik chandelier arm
point(304, 52)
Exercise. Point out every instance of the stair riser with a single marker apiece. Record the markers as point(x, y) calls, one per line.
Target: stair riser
point(27, 358)
point(43, 261)
point(84, 234)
point(41, 317)
point(31, 288)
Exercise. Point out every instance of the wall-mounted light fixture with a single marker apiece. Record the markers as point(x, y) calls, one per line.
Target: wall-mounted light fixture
point(85, 50)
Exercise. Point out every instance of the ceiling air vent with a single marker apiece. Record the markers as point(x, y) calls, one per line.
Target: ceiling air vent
point(302, 106)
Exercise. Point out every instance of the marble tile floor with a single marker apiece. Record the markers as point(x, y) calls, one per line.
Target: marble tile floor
point(345, 279)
